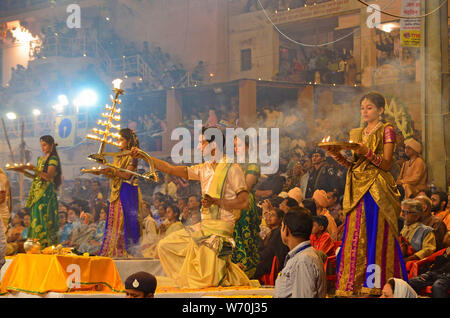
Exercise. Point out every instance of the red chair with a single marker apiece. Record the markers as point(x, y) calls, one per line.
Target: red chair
point(330, 265)
point(413, 267)
point(330, 268)
point(427, 291)
point(269, 279)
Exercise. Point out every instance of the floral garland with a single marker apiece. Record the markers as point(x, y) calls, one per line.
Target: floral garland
point(401, 117)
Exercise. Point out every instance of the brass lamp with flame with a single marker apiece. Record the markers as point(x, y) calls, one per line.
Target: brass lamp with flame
point(112, 114)
point(107, 136)
point(327, 144)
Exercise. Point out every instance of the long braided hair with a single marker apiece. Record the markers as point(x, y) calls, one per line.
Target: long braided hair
point(50, 141)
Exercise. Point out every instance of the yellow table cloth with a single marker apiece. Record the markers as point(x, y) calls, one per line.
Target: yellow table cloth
point(40, 274)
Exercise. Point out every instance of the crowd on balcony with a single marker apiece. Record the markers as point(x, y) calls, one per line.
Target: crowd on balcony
point(280, 5)
point(22, 4)
point(320, 65)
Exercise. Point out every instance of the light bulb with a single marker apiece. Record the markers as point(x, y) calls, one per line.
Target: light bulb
point(117, 83)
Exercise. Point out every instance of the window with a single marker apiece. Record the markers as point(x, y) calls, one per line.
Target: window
point(246, 59)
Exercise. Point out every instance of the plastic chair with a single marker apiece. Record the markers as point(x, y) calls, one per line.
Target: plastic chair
point(330, 265)
point(270, 278)
point(414, 267)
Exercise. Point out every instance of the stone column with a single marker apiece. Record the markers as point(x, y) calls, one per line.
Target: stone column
point(434, 91)
point(368, 51)
point(247, 103)
point(174, 116)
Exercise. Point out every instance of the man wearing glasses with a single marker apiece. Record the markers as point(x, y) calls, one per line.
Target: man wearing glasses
point(417, 240)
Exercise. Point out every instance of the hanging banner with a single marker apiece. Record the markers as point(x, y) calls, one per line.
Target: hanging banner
point(65, 131)
point(410, 28)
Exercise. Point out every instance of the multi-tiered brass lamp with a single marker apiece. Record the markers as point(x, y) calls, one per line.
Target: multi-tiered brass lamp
point(110, 134)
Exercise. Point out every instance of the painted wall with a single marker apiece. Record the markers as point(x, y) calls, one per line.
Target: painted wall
point(252, 31)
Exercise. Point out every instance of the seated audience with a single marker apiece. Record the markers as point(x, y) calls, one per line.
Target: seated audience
point(296, 193)
point(320, 238)
point(321, 199)
point(26, 224)
point(150, 237)
point(397, 288)
point(437, 276)
point(191, 212)
point(271, 246)
point(321, 175)
point(303, 275)
point(270, 186)
point(417, 240)
point(310, 205)
point(73, 222)
point(63, 230)
point(439, 207)
point(413, 175)
point(432, 221)
point(83, 234)
point(288, 204)
point(13, 234)
point(97, 240)
point(334, 207)
point(341, 227)
point(172, 223)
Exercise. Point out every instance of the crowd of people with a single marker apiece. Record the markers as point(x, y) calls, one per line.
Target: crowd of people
point(320, 66)
point(308, 180)
point(280, 5)
point(21, 4)
point(311, 181)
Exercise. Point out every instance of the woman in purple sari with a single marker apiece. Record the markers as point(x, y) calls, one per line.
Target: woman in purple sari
point(122, 226)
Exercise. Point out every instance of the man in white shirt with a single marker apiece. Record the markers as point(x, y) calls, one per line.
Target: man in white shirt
point(303, 275)
point(199, 256)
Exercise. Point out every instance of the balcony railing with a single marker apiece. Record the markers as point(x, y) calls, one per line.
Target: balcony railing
point(10, 7)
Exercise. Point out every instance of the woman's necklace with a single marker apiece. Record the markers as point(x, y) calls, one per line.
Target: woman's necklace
point(373, 129)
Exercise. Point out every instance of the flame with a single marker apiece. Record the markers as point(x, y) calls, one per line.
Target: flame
point(21, 34)
point(326, 139)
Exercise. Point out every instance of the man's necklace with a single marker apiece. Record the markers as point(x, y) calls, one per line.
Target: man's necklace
point(411, 162)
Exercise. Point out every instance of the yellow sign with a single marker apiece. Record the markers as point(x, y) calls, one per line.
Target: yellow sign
point(410, 28)
point(410, 38)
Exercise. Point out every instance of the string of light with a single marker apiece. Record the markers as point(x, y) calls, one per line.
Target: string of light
point(297, 42)
point(341, 38)
point(405, 17)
